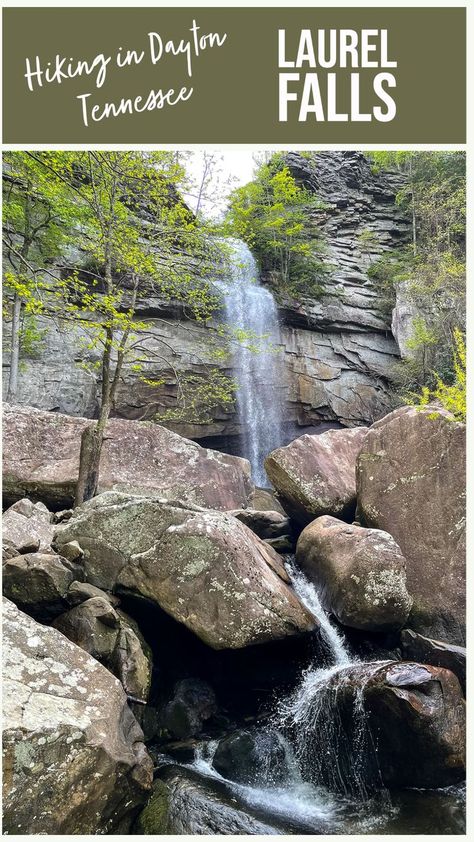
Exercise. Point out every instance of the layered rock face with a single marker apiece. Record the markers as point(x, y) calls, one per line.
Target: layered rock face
point(411, 483)
point(41, 460)
point(337, 352)
point(73, 753)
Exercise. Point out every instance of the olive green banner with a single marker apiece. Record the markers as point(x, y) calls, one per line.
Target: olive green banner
point(234, 75)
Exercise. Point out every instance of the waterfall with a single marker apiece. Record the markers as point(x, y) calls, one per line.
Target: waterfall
point(325, 714)
point(309, 597)
point(252, 316)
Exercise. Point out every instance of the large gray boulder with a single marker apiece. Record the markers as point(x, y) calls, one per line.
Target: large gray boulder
point(39, 582)
point(315, 474)
point(74, 761)
point(359, 573)
point(112, 638)
point(27, 526)
point(411, 483)
point(41, 461)
point(204, 568)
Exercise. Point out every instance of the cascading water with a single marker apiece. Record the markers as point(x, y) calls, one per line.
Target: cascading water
point(328, 763)
point(325, 715)
point(330, 758)
point(252, 316)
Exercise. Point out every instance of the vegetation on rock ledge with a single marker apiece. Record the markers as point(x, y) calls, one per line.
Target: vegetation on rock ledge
point(275, 217)
point(429, 275)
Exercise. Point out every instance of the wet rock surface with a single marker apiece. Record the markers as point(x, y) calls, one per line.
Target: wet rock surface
point(418, 719)
point(411, 482)
point(74, 758)
point(184, 803)
point(252, 756)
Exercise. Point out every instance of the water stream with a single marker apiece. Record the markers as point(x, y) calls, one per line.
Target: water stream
point(331, 784)
point(252, 316)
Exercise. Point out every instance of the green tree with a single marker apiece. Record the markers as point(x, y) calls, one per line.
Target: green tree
point(451, 396)
point(431, 271)
point(275, 217)
point(136, 236)
point(37, 212)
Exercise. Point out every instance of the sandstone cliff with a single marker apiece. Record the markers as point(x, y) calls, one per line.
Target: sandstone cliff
point(337, 352)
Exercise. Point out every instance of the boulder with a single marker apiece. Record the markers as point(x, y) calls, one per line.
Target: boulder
point(315, 474)
point(283, 545)
point(359, 573)
point(186, 804)
point(381, 724)
point(265, 524)
point(27, 526)
point(81, 591)
point(41, 460)
point(411, 482)
point(255, 756)
point(416, 647)
point(417, 718)
point(72, 551)
point(204, 568)
point(113, 639)
point(265, 500)
point(193, 703)
point(38, 583)
point(74, 758)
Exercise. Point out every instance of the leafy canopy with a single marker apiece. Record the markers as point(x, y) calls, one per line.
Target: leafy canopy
point(275, 216)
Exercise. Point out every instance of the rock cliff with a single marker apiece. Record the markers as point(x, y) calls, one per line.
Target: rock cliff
point(337, 351)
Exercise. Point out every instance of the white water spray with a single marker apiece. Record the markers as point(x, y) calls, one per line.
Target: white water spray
point(252, 315)
point(326, 712)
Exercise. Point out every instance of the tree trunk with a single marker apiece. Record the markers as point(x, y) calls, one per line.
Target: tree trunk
point(89, 461)
point(15, 351)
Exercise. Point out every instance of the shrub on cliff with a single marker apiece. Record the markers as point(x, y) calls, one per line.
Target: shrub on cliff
point(276, 218)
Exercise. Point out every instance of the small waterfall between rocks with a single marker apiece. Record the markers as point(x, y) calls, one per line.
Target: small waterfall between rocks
point(325, 715)
point(252, 316)
point(331, 781)
point(328, 746)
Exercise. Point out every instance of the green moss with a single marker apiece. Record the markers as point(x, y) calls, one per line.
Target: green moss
point(154, 818)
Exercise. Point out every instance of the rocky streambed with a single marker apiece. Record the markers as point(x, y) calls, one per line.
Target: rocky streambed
point(186, 655)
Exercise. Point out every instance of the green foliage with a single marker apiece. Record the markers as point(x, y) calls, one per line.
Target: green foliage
point(123, 212)
point(451, 396)
point(368, 240)
point(276, 218)
point(32, 336)
point(199, 397)
point(431, 272)
point(387, 272)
